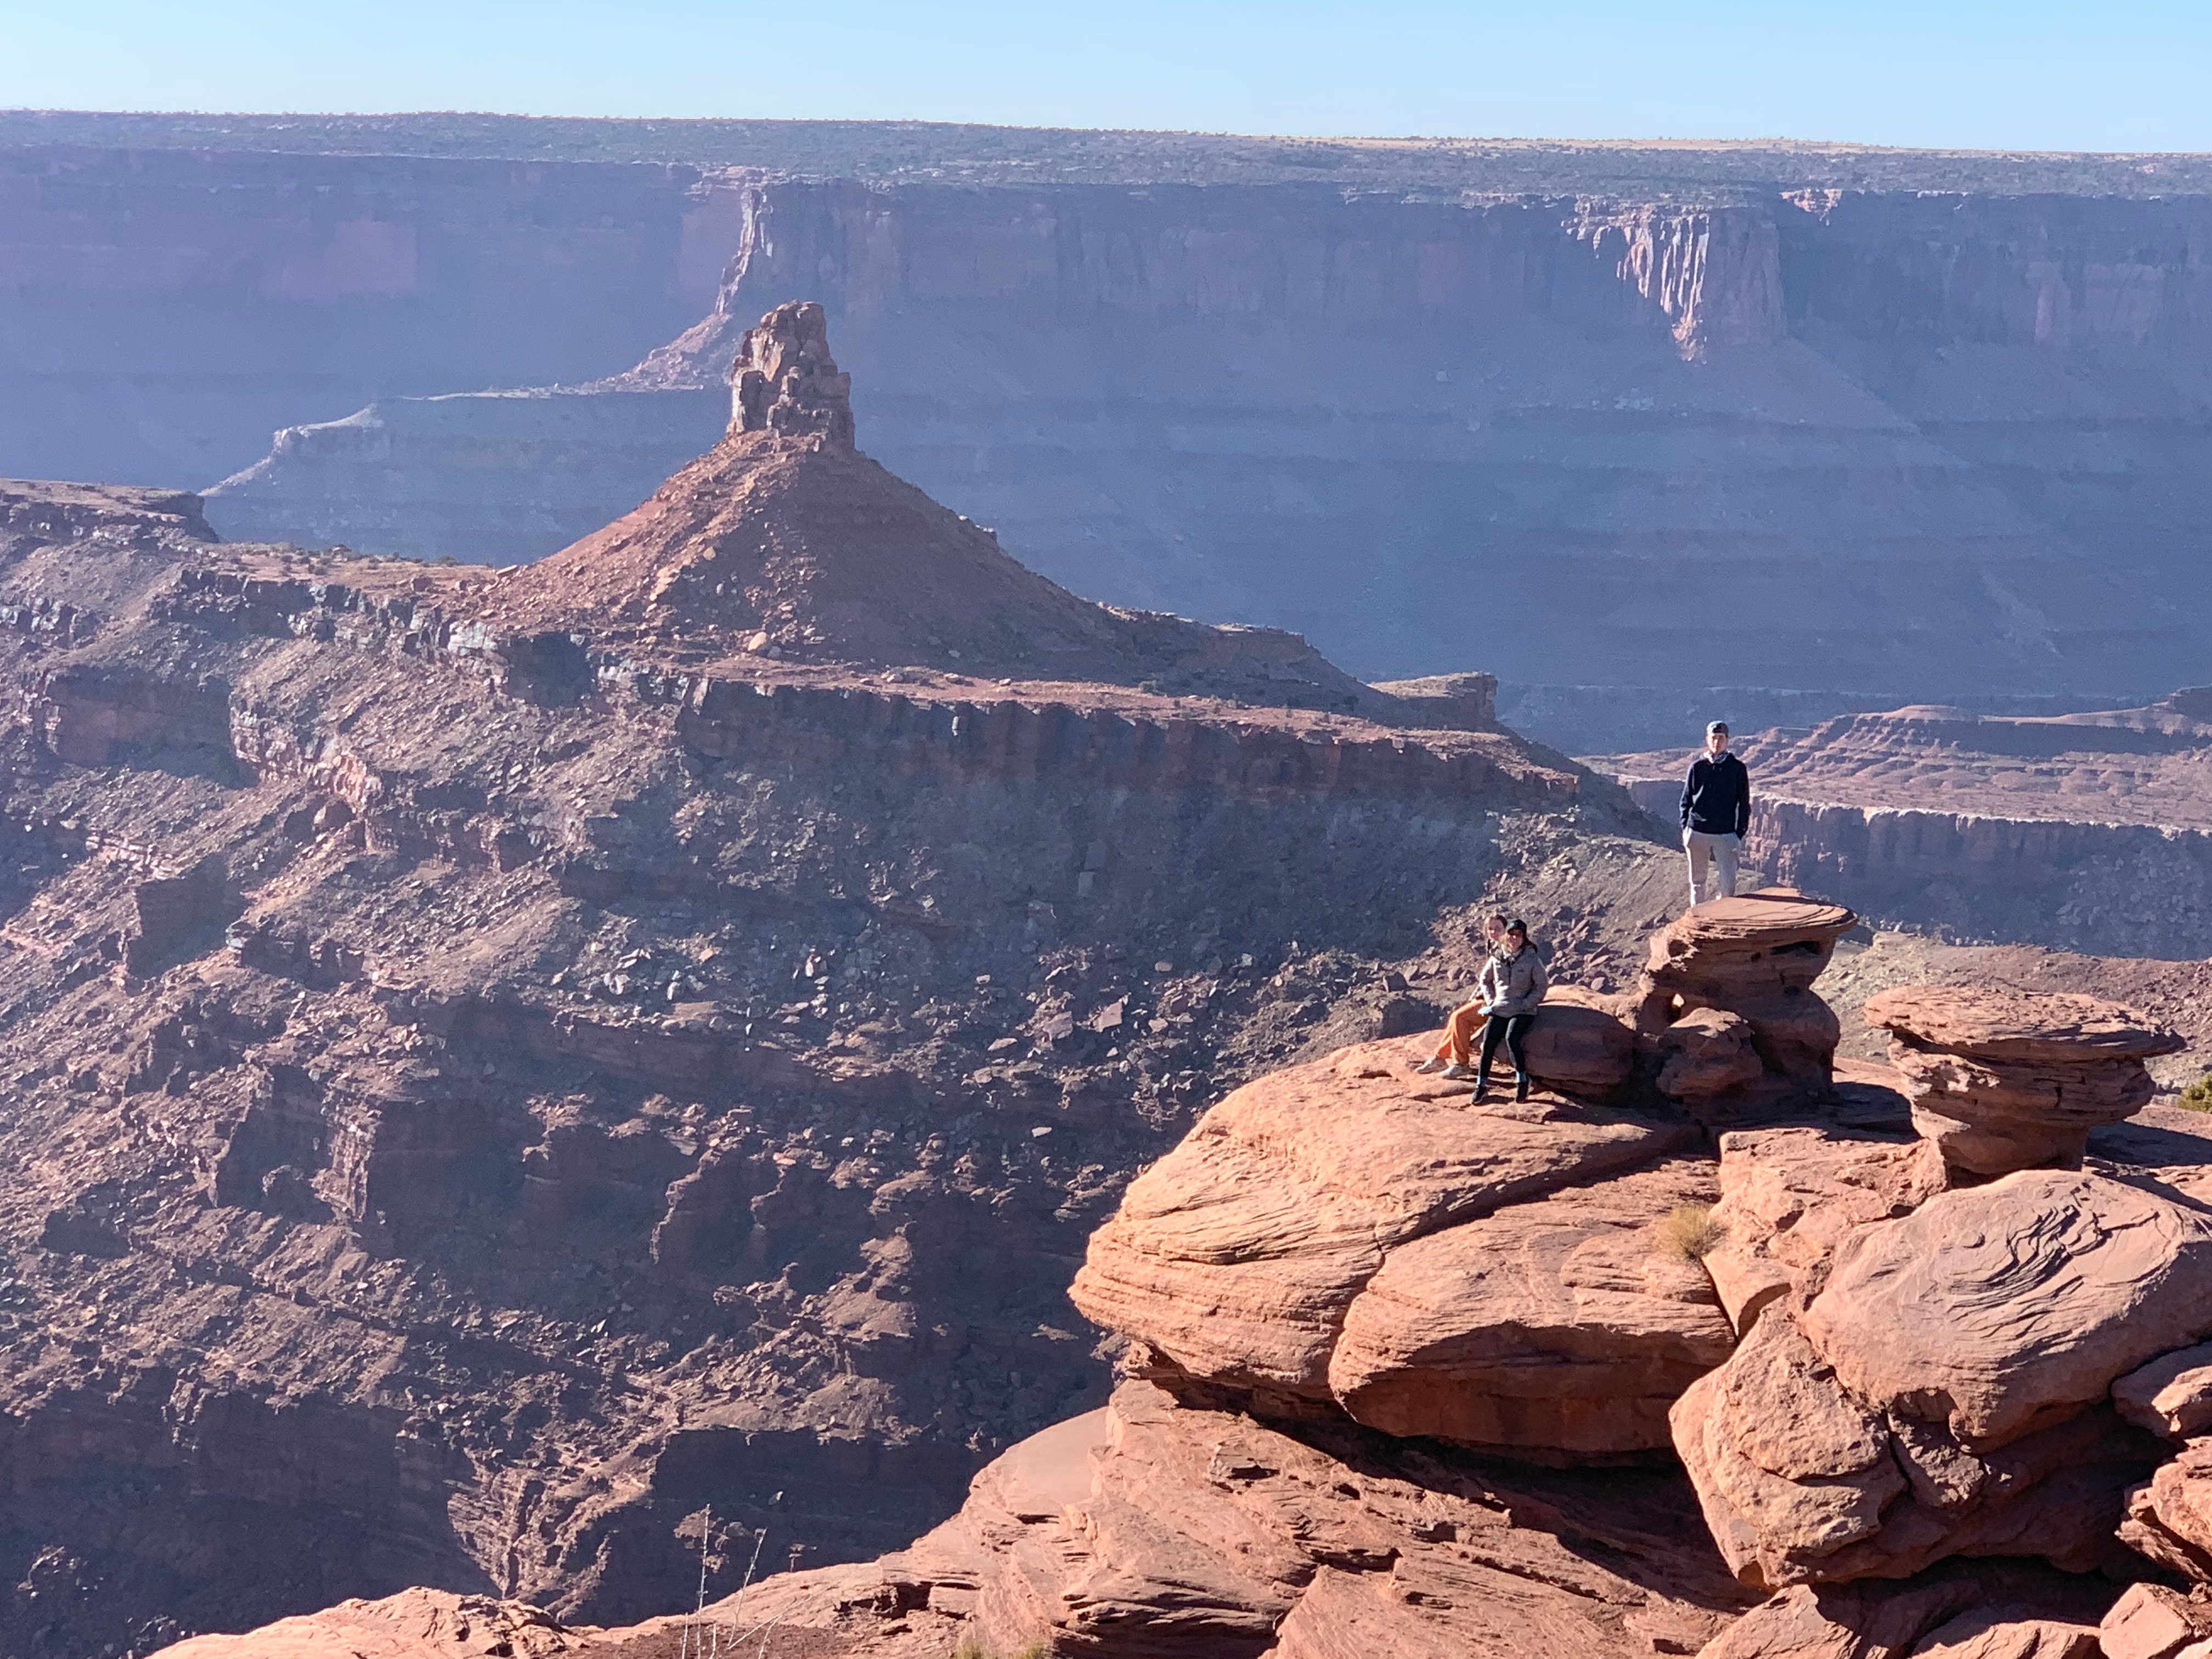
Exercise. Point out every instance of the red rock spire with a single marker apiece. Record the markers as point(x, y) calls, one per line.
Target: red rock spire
point(785, 381)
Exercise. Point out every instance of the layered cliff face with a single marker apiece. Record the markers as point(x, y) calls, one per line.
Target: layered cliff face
point(165, 311)
point(496, 1064)
point(1838, 444)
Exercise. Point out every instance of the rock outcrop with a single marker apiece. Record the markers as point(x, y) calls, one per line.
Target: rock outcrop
point(1728, 987)
point(1568, 1324)
point(2171, 1396)
point(1237, 1259)
point(1789, 1196)
point(415, 1624)
point(2169, 1516)
point(1942, 1391)
point(1962, 1610)
point(1354, 1235)
point(785, 381)
point(785, 544)
point(2005, 1080)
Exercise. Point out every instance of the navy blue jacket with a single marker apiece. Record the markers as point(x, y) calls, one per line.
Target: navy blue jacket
point(1716, 796)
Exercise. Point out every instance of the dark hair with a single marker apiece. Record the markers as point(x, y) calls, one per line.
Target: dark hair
point(1517, 926)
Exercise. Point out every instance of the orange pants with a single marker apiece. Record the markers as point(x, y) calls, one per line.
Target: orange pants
point(1460, 1030)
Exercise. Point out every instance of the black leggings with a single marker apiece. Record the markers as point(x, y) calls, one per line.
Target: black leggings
point(1513, 1031)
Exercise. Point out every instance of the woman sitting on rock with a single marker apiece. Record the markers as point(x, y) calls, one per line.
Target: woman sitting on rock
point(1511, 988)
point(1454, 1055)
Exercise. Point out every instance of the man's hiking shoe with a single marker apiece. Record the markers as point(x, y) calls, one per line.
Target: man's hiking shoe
point(1457, 1072)
point(1521, 1089)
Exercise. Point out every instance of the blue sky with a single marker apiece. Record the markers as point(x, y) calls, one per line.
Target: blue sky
point(2129, 75)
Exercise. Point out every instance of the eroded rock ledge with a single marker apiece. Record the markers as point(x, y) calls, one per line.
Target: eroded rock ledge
point(1404, 1370)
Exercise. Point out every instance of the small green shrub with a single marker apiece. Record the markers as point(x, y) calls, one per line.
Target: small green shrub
point(1688, 1230)
point(2197, 1097)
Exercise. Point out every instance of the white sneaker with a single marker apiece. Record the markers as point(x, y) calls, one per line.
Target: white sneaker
point(1429, 1067)
point(1457, 1073)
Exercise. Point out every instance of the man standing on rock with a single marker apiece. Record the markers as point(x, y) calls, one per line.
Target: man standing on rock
point(1716, 813)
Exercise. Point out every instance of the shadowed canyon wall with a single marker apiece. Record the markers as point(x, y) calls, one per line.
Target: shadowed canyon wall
point(162, 312)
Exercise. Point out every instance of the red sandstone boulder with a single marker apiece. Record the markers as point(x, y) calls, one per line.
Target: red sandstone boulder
point(1995, 1308)
point(1571, 1323)
point(1709, 1053)
point(2171, 1396)
point(1943, 1392)
point(1990, 1023)
point(1234, 1258)
point(2150, 1621)
point(1581, 1042)
point(2169, 1516)
point(1988, 1634)
point(2004, 1080)
point(1962, 1610)
point(1789, 1196)
point(1202, 1534)
point(1755, 956)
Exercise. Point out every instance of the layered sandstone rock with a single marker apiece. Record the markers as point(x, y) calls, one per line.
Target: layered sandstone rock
point(1961, 1610)
point(785, 381)
point(2171, 1396)
point(1790, 1196)
point(784, 543)
point(2152, 1621)
point(1154, 1530)
point(1237, 1258)
point(1579, 1042)
point(1567, 1324)
point(415, 1624)
point(2169, 1516)
point(2004, 1080)
point(1355, 1235)
point(1755, 958)
point(1943, 1392)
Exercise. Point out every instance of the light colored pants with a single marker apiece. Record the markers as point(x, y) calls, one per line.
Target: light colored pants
point(1705, 850)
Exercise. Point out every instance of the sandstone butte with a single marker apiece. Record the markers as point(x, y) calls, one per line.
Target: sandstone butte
point(1408, 1375)
point(514, 1071)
